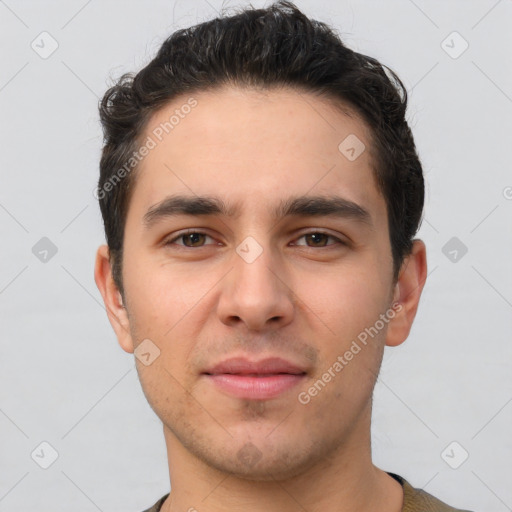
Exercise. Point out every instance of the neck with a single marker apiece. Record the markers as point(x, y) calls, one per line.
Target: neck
point(346, 481)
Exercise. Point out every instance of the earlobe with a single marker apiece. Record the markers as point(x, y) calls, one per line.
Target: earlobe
point(116, 310)
point(407, 294)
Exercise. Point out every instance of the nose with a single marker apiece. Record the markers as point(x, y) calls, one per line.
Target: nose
point(256, 293)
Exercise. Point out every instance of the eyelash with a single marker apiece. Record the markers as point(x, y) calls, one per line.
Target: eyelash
point(190, 232)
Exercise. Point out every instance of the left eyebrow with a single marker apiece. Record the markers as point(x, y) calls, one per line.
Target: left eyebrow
point(304, 206)
point(323, 206)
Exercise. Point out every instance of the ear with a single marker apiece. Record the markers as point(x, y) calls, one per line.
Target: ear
point(116, 311)
point(407, 294)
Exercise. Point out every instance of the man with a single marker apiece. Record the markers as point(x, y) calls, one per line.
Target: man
point(260, 190)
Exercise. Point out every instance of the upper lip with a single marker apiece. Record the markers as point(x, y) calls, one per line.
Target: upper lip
point(242, 365)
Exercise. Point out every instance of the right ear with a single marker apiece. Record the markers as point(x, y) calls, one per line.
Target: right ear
point(116, 311)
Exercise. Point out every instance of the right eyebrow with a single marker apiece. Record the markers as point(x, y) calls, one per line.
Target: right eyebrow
point(187, 205)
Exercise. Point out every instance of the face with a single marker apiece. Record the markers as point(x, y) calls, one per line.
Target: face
point(256, 273)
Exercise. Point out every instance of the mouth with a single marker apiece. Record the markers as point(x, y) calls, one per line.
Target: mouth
point(241, 378)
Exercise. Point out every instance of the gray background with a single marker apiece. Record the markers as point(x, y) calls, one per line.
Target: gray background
point(64, 379)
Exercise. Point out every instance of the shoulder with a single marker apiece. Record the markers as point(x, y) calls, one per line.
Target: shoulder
point(158, 505)
point(417, 500)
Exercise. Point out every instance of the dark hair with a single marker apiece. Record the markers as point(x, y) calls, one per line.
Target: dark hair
point(264, 48)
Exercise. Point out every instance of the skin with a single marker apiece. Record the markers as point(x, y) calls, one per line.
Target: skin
point(304, 299)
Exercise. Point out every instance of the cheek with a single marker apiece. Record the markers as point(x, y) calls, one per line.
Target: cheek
point(168, 307)
point(157, 296)
point(346, 299)
point(168, 392)
point(348, 307)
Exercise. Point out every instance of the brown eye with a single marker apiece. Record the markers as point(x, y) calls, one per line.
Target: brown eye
point(191, 239)
point(318, 239)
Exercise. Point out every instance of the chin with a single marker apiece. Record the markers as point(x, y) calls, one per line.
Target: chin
point(267, 464)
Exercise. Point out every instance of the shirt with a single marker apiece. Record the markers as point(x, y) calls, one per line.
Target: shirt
point(415, 500)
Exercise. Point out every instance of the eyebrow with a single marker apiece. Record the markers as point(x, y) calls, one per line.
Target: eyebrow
point(307, 206)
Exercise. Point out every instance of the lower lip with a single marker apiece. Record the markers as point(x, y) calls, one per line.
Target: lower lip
point(256, 388)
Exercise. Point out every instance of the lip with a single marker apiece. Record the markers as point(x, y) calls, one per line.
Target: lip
point(257, 380)
point(268, 366)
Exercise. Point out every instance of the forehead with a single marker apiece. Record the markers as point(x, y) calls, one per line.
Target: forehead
point(253, 146)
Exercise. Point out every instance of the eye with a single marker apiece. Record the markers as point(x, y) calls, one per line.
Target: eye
point(196, 239)
point(319, 239)
point(190, 239)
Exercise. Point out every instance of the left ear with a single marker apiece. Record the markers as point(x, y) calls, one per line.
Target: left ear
point(407, 293)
